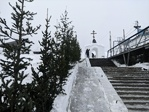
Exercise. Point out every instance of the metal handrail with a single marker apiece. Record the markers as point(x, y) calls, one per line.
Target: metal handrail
point(126, 43)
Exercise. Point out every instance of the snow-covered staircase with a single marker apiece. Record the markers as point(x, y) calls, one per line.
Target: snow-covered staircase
point(132, 85)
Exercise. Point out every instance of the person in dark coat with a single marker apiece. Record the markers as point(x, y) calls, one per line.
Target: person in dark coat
point(87, 53)
point(93, 55)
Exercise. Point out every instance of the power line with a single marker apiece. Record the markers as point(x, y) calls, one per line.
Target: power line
point(130, 32)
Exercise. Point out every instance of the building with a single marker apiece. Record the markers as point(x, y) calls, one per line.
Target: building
point(94, 49)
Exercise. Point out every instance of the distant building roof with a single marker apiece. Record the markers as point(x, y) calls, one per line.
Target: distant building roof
point(10, 43)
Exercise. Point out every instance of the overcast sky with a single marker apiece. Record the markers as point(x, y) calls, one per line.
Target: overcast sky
point(88, 15)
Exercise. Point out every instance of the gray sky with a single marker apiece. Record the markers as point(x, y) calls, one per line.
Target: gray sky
point(88, 15)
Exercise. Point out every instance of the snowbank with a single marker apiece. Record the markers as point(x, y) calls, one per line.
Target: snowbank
point(144, 66)
point(118, 64)
point(62, 101)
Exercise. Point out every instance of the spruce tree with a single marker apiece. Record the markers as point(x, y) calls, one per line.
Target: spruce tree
point(14, 95)
point(68, 46)
point(45, 79)
point(75, 49)
point(56, 59)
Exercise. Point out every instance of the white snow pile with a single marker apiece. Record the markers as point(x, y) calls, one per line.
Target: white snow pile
point(61, 102)
point(118, 64)
point(144, 66)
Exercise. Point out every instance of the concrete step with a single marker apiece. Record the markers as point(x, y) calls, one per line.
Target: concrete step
point(138, 108)
point(123, 74)
point(133, 92)
point(122, 69)
point(139, 73)
point(119, 88)
point(102, 62)
point(129, 78)
point(130, 85)
point(129, 81)
point(136, 102)
point(136, 97)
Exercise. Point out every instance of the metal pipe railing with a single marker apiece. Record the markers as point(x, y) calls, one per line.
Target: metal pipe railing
point(132, 42)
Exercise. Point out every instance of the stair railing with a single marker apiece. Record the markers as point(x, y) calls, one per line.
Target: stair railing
point(137, 40)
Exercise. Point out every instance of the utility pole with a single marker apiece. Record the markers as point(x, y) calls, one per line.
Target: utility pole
point(110, 43)
point(110, 40)
point(123, 34)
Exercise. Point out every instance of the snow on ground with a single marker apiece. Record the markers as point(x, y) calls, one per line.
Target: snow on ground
point(35, 61)
point(118, 64)
point(61, 102)
point(144, 66)
point(87, 95)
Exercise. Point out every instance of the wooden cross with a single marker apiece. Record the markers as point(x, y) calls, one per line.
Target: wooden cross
point(93, 34)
